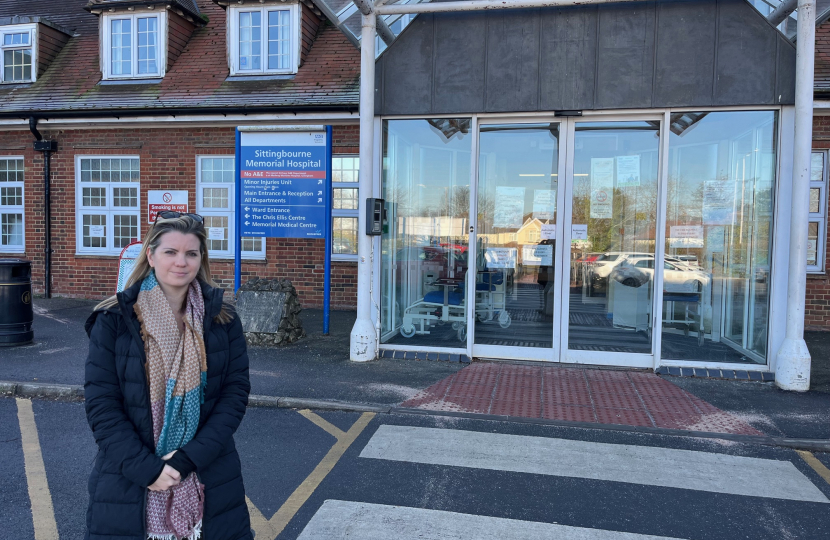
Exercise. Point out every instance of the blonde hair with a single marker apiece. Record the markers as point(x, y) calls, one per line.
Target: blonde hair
point(186, 225)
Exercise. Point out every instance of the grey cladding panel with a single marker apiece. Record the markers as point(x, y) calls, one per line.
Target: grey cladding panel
point(785, 89)
point(685, 53)
point(459, 62)
point(512, 66)
point(407, 69)
point(746, 61)
point(625, 65)
point(568, 58)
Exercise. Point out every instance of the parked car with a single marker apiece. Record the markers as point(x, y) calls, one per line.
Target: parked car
point(677, 278)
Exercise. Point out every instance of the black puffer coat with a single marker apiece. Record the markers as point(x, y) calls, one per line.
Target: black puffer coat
point(118, 410)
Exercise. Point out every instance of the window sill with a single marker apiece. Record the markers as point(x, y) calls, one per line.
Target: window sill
point(4, 252)
point(244, 260)
point(118, 82)
point(339, 260)
point(17, 84)
point(259, 77)
point(816, 275)
point(96, 256)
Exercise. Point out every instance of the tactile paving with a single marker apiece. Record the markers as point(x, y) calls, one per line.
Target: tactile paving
point(576, 395)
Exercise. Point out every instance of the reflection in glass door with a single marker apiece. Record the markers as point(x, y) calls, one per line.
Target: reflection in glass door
point(613, 223)
point(515, 296)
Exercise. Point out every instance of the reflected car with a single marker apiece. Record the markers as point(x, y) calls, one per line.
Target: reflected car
point(676, 278)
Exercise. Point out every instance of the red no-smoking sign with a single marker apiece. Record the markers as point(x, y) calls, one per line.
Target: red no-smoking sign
point(160, 200)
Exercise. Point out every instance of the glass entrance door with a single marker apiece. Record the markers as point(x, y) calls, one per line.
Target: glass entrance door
point(609, 296)
point(515, 279)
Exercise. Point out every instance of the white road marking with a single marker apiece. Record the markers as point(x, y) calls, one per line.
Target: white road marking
point(53, 351)
point(43, 313)
point(651, 466)
point(43, 514)
point(337, 520)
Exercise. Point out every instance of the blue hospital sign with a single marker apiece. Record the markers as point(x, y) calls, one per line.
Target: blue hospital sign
point(284, 184)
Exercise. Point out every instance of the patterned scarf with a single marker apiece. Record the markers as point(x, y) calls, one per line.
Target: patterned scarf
point(177, 373)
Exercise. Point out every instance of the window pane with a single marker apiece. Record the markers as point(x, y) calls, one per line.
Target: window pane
point(94, 196)
point(815, 200)
point(21, 38)
point(719, 223)
point(250, 40)
point(94, 231)
point(219, 224)
point(817, 167)
point(251, 244)
point(11, 170)
point(11, 196)
point(279, 44)
point(125, 197)
point(17, 65)
point(11, 229)
point(215, 198)
point(344, 199)
point(217, 170)
point(344, 169)
point(125, 230)
point(344, 236)
point(109, 169)
point(426, 168)
point(812, 243)
point(147, 45)
point(120, 47)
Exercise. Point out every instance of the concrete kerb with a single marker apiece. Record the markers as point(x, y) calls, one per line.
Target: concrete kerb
point(66, 392)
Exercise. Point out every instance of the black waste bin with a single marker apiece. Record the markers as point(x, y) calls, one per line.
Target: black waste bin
point(16, 314)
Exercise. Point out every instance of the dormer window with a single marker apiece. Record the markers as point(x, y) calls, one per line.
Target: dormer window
point(17, 43)
point(134, 45)
point(264, 40)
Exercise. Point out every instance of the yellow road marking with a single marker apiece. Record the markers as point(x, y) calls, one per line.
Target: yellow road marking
point(323, 424)
point(817, 465)
point(43, 515)
point(269, 529)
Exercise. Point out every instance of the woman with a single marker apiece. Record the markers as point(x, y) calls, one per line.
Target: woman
point(166, 388)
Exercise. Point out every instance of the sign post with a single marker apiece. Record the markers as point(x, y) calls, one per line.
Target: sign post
point(283, 189)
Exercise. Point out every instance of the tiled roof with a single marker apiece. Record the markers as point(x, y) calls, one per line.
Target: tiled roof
point(189, 5)
point(329, 76)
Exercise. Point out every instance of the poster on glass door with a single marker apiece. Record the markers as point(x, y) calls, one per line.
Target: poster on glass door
point(602, 187)
point(544, 204)
point(510, 206)
point(628, 171)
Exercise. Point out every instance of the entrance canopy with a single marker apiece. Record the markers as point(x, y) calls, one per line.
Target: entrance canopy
point(637, 55)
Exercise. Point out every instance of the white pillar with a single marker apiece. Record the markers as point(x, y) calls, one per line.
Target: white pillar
point(363, 337)
point(793, 364)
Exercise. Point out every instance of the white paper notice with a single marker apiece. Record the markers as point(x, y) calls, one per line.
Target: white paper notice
point(216, 233)
point(602, 187)
point(537, 255)
point(544, 203)
point(548, 231)
point(501, 257)
point(96, 231)
point(579, 232)
point(686, 236)
point(718, 202)
point(510, 206)
point(628, 171)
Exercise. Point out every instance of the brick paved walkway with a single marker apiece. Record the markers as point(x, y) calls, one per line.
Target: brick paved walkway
point(577, 395)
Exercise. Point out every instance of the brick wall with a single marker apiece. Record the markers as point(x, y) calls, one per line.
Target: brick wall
point(168, 161)
point(817, 307)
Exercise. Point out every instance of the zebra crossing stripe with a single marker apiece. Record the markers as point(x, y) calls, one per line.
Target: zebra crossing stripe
point(341, 520)
point(651, 466)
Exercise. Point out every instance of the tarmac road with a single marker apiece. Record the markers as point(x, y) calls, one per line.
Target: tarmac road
point(332, 475)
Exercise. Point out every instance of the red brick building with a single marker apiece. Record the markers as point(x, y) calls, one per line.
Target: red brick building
point(145, 95)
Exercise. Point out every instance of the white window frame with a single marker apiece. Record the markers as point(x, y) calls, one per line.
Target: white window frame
point(106, 44)
point(230, 212)
point(820, 217)
point(293, 41)
point(343, 213)
point(109, 210)
point(19, 29)
point(15, 209)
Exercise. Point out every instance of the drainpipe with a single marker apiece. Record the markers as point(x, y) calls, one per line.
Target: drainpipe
point(363, 345)
point(47, 147)
point(792, 370)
